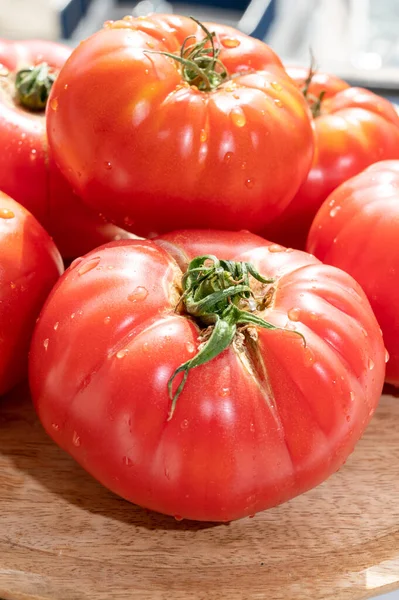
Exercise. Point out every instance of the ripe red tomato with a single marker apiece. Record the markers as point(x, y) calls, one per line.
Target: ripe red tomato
point(30, 264)
point(27, 172)
point(357, 229)
point(153, 152)
point(262, 421)
point(353, 129)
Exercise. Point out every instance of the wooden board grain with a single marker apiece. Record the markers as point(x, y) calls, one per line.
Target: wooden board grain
point(64, 537)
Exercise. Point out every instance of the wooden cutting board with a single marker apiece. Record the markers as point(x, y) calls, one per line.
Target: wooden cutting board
point(64, 537)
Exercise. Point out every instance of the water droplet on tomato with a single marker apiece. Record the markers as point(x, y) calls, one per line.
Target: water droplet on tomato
point(127, 461)
point(45, 343)
point(332, 202)
point(275, 248)
point(151, 45)
point(386, 355)
point(276, 86)
point(139, 293)
point(108, 165)
point(278, 102)
point(55, 426)
point(56, 326)
point(238, 117)
point(146, 347)
point(203, 135)
point(108, 23)
point(370, 364)
point(128, 221)
point(249, 183)
point(184, 424)
point(166, 472)
point(190, 347)
point(227, 157)
point(294, 314)
point(76, 439)
point(314, 316)
point(66, 86)
point(228, 42)
point(371, 412)
point(348, 418)
point(252, 427)
point(334, 211)
point(88, 266)
point(107, 320)
point(351, 396)
point(76, 262)
point(128, 18)
point(309, 356)
point(122, 353)
point(224, 392)
point(72, 315)
point(33, 151)
point(6, 213)
point(290, 326)
point(54, 103)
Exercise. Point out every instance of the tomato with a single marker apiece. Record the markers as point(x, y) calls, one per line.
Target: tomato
point(30, 265)
point(27, 172)
point(357, 229)
point(353, 129)
point(153, 153)
point(285, 382)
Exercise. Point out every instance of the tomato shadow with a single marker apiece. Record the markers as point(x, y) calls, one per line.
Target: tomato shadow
point(25, 443)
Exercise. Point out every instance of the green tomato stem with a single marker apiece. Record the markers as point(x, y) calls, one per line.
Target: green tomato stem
point(216, 292)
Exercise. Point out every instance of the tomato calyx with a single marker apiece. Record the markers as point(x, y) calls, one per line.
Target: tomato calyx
point(218, 293)
point(314, 102)
point(33, 86)
point(200, 63)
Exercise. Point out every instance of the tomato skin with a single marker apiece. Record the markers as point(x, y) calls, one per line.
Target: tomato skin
point(355, 129)
point(156, 154)
point(30, 265)
point(28, 173)
point(357, 229)
point(237, 443)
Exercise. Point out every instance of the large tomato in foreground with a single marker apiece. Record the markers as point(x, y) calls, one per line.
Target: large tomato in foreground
point(27, 171)
point(357, 229)
point(223, 141)
point(353, 129)
point(290, 366)
point(30, 264)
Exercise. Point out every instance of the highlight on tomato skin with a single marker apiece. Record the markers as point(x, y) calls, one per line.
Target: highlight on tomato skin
point(257, 421)
point(30, 265)
point(200, 130)
point(356, 229)
point(28, 172)
point(353, 129)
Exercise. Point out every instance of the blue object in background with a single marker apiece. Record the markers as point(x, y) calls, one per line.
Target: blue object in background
point(70, 16)
point(258, 18)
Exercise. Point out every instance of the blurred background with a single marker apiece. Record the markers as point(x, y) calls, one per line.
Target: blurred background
point(356, 39)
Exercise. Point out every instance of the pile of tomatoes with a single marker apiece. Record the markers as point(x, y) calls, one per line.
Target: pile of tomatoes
point(210, 368)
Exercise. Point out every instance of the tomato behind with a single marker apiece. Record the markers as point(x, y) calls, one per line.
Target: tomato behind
point(28, 173)
point(29, 267)
point(159, 153)
point(357, 230)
